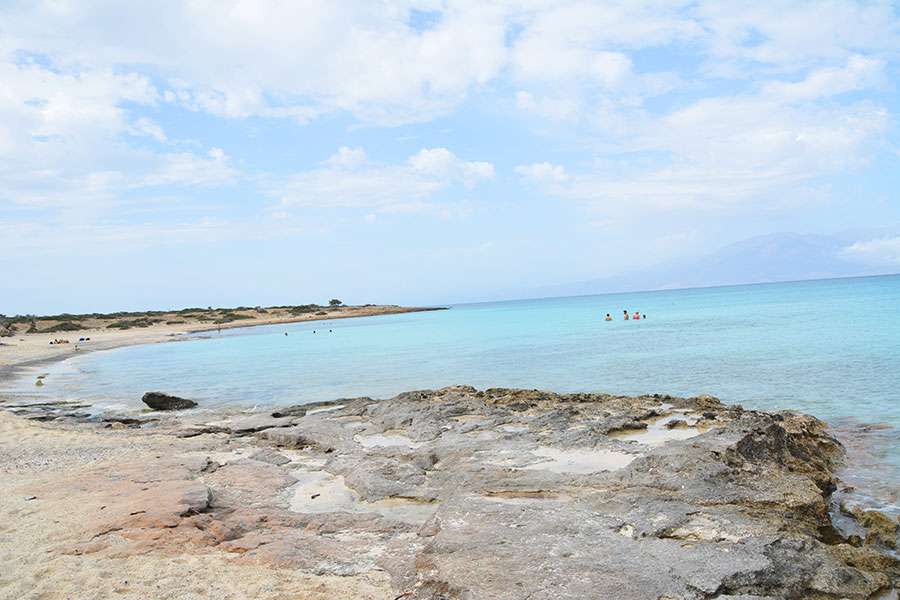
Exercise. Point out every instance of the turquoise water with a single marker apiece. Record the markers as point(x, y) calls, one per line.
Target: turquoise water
point(830, 348)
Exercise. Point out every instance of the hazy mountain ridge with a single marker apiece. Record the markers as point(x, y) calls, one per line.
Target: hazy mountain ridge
point(761, 259)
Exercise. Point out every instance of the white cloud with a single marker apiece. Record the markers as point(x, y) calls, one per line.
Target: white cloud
point(399, 188)
point(739, 154)
point(525, 101)
point(149, 128)
point(559, 109)
point(543, 173)
point(440, 162)
point(87, 88)
point(881, 252)
point(789, 36)
point(347, 158)
point(437, 161)
point(859, 73)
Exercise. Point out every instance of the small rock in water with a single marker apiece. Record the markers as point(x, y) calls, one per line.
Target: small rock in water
point(160, 401)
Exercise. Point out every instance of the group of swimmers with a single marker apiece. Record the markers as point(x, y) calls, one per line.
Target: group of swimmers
point(636, 317)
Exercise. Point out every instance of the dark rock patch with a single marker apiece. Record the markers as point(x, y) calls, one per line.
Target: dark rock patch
point(161, 401)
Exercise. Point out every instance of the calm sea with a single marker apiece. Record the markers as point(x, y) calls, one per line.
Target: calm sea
point(830, 348)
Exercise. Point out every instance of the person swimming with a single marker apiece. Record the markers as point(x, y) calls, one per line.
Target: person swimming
point(608, 318)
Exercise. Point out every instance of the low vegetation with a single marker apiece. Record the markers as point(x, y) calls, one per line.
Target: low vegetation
point(229, 317)
point(12, 325)
point(64, 326)
point(141, 322)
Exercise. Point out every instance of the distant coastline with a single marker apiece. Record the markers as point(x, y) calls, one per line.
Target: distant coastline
point(31, 336)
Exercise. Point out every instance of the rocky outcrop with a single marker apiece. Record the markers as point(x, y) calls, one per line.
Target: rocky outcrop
point(161, 401)
point(459, 493)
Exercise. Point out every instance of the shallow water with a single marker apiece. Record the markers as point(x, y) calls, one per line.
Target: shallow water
point(830, 348)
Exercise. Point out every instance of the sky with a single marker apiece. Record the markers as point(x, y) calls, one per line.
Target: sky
point(167, 154)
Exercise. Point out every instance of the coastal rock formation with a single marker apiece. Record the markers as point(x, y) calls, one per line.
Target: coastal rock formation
point(161, 401)
point(460, 494)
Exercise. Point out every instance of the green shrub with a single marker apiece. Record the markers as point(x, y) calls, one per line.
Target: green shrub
point(229, 317)
point(126, 324)
point(64, 326)
point(174, 322)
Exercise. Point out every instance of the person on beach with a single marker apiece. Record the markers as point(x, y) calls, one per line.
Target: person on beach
point(608, 318)
point(626, 314)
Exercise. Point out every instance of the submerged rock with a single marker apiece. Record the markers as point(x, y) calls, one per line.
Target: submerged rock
point(161, 401)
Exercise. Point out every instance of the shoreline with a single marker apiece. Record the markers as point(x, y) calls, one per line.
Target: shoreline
point(434, 495)
point(862, 442)
point(32, 349)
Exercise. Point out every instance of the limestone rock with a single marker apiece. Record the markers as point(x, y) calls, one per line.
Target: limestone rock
point(458, 493)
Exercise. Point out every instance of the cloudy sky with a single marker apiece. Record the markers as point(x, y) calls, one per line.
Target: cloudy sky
point(193, 153)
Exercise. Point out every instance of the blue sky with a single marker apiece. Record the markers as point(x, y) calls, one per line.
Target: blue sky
point(169, 154)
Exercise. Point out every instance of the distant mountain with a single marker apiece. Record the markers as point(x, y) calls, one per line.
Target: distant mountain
point(763, 259)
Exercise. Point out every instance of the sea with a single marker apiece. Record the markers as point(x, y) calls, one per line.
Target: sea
point(830, 348)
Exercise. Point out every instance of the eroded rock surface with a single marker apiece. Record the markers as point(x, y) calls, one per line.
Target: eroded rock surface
point(460, 493)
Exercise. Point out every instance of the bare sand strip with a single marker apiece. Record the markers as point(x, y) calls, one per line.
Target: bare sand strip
point(27, 347)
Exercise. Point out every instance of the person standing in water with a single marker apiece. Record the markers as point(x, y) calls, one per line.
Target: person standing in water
point(626, 314)
point(608, 318)
point(637, 316)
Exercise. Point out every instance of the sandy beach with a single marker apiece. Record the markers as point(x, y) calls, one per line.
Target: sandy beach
point(24, 347)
